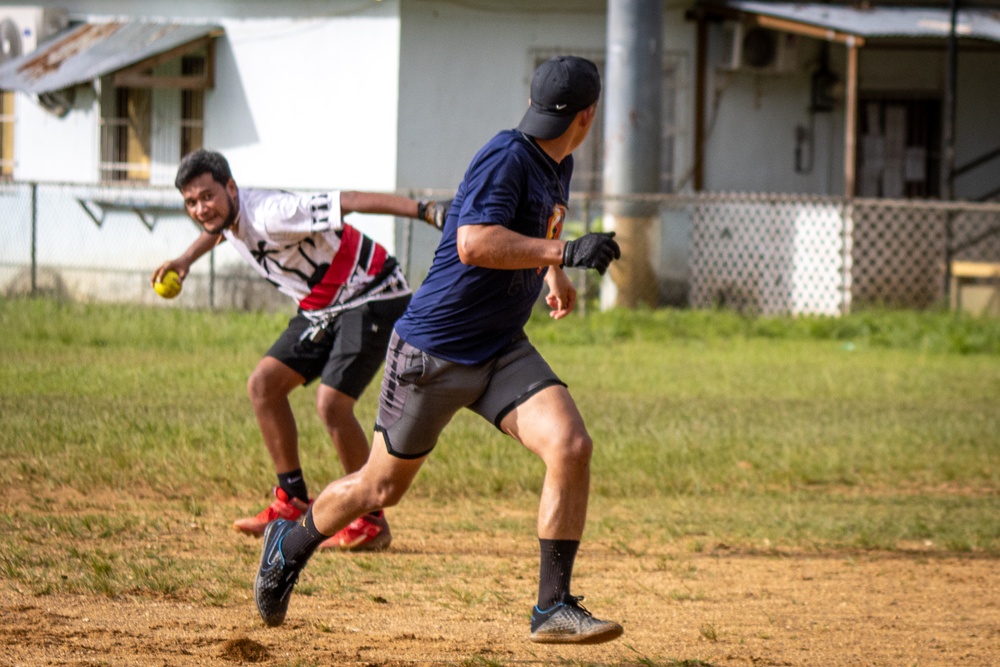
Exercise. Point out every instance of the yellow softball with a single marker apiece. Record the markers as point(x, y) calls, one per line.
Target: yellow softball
point(169, 285)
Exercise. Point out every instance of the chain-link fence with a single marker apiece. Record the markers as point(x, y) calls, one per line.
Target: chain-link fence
point(102, 243)
point(762, 254)
point(797, 254)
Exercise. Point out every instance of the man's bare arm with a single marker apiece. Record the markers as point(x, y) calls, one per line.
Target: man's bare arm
point(378, 203)
point(182, 264)
point(496, 247)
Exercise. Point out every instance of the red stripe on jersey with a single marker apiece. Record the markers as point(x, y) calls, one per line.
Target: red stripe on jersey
point(378, 260)
point(340, 270)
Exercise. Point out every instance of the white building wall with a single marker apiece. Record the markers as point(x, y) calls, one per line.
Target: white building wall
point(753, 118)
point(308, 103)
point(752, 122)
point(50, 148)
point(465, 74)
point(305, 97)
point(399, 94)
point(751, 145)
point(369, 85)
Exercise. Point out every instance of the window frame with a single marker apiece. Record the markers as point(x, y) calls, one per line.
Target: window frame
point(137, 116)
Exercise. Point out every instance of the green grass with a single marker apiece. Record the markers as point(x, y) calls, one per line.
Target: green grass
point(873, 430)
point(928, 331)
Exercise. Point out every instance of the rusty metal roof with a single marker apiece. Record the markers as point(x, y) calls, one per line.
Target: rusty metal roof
point(877, 22)
point(91, 50)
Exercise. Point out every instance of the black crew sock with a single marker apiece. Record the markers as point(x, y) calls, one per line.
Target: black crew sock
point(301, 541)
point(556, 569)
point(294, 484)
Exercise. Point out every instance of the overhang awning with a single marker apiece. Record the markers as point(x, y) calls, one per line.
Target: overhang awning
point(92, 50)
point(841, 22)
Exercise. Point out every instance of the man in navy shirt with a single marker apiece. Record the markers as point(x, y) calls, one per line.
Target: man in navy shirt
point(461, 344)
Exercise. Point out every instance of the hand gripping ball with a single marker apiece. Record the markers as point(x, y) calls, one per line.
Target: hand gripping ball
point(169, 285)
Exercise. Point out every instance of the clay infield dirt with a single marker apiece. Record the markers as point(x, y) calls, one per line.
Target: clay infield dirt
point(153, 583)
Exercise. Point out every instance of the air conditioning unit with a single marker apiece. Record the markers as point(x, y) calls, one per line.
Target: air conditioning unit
point(22, 29)
point(750, 48)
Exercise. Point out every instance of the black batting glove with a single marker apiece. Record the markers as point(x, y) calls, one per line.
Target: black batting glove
point(592, 251)
point(434, 213)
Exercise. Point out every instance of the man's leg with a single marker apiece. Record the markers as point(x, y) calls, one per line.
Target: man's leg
point(381, 482)
point(268, 387)
point(549, 424)
point(360, 340)
point(336, 410)
point(288, 545)
point(370, 531)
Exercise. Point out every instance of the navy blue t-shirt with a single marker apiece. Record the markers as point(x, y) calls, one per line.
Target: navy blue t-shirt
point(467, 314)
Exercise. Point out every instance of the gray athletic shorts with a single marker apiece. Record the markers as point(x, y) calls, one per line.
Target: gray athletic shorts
point(421, 393)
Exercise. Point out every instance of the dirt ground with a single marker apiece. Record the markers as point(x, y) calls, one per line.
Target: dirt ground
point(445, 596)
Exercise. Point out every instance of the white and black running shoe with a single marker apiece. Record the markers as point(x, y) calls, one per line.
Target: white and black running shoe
point(569, 622)
point(276, 577)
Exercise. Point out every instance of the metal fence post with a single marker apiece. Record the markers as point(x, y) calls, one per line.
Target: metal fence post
point(211, 280)
point(948, 253)
point(34, 239)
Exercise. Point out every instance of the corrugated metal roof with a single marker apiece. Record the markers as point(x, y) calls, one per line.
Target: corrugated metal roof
point(91, 50)
point(880, 21)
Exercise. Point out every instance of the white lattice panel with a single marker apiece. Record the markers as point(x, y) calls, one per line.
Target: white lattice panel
point(769, 256)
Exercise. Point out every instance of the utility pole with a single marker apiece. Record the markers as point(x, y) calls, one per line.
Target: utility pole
point(632, 101)
point(948, 126)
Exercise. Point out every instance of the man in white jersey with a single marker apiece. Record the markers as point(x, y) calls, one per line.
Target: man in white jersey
point(349, 292)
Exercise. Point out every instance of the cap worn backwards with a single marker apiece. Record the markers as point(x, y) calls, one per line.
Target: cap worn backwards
point(560, 88)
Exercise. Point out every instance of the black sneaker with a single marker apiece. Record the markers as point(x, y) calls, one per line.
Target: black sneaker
point(276, 577)
point(568, 622)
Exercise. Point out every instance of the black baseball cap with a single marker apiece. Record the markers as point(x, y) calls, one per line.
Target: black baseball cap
point(561, 87)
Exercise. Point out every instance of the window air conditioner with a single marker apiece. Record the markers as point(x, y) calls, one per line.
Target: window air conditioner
point(22, 29)
point(749, 48)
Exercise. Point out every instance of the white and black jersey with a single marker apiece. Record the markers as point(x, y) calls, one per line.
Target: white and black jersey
point(301, 244)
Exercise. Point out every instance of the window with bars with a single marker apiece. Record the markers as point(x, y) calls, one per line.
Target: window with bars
point(125, 136)
point(142, 125)
point(192, 107)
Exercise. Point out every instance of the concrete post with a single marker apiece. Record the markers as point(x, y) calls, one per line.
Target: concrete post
point(632, 100)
